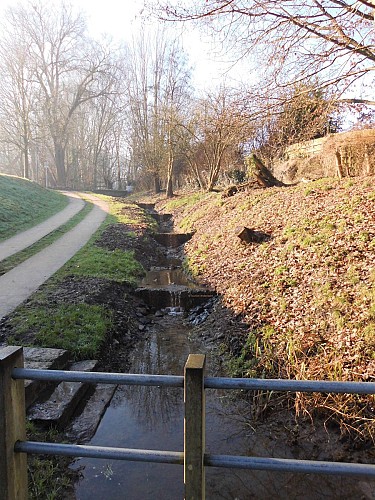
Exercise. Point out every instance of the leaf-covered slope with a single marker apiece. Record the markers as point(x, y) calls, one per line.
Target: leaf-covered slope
point(307, 293)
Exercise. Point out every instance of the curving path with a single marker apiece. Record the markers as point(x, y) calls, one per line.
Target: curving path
point(19, 283)
point(27, 238)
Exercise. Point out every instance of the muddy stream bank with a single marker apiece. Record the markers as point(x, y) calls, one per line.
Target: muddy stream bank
point(152, 417)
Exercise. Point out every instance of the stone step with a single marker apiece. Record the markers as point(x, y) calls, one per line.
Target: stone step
point(61, 404)
point(85, 424)
point(161, 217)
point(147, 206)
point(177, 296)
point(172, 240)
point(42, 359)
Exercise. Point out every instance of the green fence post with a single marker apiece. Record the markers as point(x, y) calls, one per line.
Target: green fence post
point(13, 466)
point(194, 432)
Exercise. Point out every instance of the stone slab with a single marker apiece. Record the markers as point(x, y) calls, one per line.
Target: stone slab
point(44, 356)
point(84, 426)
point(41, 359)
point(172, 240)
point(60, 406)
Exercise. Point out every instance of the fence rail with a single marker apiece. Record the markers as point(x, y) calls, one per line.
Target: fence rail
point(209, 382)
point(98, 377)
point(14, 447)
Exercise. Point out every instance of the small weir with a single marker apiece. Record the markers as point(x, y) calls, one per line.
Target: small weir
point(163, 288)
point(152, 418)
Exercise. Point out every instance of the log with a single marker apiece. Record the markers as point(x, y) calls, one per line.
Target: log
point(263, 175)
point(229, 191)
point(248, 235)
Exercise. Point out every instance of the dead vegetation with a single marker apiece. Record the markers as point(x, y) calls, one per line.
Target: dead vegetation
point(356, 150)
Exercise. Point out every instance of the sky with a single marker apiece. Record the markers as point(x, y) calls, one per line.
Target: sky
point(121, 18)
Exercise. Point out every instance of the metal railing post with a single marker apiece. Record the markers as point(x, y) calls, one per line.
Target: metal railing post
point(194, 428)
point(13, 466)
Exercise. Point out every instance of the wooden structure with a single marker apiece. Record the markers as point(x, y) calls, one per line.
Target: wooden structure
point(194, 428)
point(13, 466)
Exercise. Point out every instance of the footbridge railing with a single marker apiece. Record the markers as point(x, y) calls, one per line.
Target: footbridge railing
point(14, 447)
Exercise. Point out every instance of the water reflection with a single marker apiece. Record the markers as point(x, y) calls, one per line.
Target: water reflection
point(166, 277)
point(152, 418)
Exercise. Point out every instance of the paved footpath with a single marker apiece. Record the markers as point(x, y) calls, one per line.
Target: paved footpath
point(19, 283)
point(26, 238)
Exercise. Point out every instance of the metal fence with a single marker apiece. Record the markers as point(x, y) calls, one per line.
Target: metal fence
point(14, 447)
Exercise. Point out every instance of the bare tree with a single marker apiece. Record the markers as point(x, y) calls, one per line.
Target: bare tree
point(66, 65)
point(298, 40)
point(143, 81)
point(17, 96)
point(218, 127)
point(175, 100)
point(157, 79)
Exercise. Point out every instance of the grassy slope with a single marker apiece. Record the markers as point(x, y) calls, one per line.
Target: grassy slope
point(308, 294)
point(24, 204)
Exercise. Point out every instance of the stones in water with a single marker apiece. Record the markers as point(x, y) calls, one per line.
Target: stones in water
point(200, 313)
point(167, 289)
point(160, 298)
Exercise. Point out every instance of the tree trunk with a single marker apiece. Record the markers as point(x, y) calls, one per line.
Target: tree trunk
point(26, 164)
point(214, 174)
point(340, 170)
point(119, 183)
point(60, 163)
point(169, 190)
point(263, 175)
point(26, 160)
point(157, 187)
point(198, 177)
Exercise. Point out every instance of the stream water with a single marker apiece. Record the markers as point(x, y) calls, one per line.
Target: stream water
point(152, 418)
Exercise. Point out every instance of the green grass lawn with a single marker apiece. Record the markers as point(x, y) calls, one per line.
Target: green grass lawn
point(23, 204)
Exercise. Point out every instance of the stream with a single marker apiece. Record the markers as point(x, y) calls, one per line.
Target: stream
point(152, 418)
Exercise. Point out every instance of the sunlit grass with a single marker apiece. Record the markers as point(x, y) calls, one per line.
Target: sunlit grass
point(79, 328)
point(116, 265)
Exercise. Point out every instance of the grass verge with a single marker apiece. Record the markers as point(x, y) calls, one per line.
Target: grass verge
point(23, 204)
point(16, 259)
point(96, 262)
point(79, 328)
